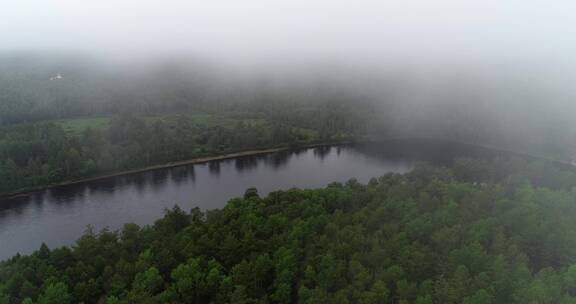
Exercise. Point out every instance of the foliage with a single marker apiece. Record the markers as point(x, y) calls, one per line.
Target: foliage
point(473, 233)
point(39, 154)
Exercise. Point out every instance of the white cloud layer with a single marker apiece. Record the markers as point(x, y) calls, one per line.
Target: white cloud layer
point(356, 31)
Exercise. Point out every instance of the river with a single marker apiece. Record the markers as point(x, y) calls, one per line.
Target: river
point(59, 215)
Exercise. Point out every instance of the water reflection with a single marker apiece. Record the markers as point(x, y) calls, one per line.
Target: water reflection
point(102, 186)
point(66, 194)
point(246, 163)
point(338, 150)
point(280, 159)
point(159, 178)
point(322, 152)
point(59, 215)
point(16, 205)
point(214, 167)
point(179, 175)
point(138, 181)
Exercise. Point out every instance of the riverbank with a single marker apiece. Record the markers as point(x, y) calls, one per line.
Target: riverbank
point(27, 192)
point(198, 160)
point(567, 163)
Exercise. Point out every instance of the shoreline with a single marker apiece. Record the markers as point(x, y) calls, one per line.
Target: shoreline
point(198, 160)
point(252, 152)
point(564, 162)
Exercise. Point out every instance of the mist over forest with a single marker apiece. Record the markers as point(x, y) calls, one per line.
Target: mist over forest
point(484, 72)
point(518, 107)
point(114, 110)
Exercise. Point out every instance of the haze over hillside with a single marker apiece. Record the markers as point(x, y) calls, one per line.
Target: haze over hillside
point(444, 131)
point(490, 72)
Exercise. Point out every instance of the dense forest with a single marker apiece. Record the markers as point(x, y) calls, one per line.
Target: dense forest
point(287, 151)
point(94, 120)
point(42, 153)
point(91, 87)
point(290, 151)
point(480, 231)
point(506, 109)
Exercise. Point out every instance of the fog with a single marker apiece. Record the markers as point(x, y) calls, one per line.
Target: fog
point(259, 31)
point(503, 70)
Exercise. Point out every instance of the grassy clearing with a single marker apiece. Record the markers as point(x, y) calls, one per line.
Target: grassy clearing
point(227, 120)
point(307, 134)
point(78, 125)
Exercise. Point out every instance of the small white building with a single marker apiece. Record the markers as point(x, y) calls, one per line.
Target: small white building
point(57, 77)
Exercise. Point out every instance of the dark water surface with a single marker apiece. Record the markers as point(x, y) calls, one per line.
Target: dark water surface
point(58, 216)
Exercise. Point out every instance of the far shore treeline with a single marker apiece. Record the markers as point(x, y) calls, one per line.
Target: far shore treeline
point(44, 153)
point(71, 117)
point(406, 152)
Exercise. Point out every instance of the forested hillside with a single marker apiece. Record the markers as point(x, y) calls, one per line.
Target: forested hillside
point(69, 117)
point(37, 154)
point(287, 151)
point(498, 231)
point(505, 110)
point(88, 87)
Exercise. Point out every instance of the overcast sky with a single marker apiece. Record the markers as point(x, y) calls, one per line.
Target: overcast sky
point(345, 30)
